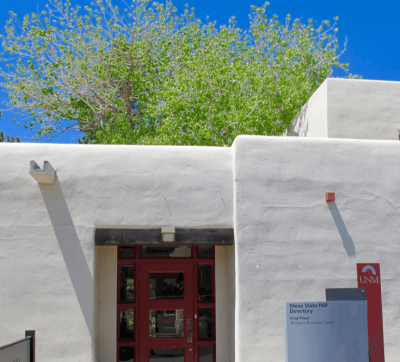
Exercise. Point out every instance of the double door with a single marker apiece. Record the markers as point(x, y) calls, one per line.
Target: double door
point(166, 304)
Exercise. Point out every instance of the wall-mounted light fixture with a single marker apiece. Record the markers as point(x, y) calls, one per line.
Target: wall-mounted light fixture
point(45, 176)
point(168, 234)
point(330, 196)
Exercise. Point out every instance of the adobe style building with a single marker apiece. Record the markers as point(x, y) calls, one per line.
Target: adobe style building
point(165, 253)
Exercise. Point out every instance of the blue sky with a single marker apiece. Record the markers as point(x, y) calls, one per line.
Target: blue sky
point(372, 30)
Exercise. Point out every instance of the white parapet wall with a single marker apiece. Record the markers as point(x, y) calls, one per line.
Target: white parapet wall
point(48, 269)
point(312, 120)
point(350, 108)
point(291, 244)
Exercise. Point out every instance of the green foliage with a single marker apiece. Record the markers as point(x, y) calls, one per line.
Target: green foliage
point(150, 76)
point(7, 138)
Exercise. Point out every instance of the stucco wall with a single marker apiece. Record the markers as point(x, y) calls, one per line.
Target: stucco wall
point(105, 323)
point(225, 302)
point(47, 231)
point(312, 120)
point(291, 245)
point(363, 109)
point(350, 108)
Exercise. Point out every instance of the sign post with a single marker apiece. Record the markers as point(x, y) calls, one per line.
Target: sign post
point(369, 277)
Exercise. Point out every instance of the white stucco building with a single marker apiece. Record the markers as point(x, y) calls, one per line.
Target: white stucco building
point(260, 205)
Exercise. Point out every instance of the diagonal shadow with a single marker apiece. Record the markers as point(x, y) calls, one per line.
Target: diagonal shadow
point(299, 126)
point(70, 247)
point(346, 238)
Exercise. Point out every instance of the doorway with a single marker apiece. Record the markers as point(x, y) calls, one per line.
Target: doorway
point(166, 304)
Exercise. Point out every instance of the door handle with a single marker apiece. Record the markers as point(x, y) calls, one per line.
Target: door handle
point(189, 330)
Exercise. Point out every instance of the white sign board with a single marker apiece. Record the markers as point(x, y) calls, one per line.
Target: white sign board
point(326, 331)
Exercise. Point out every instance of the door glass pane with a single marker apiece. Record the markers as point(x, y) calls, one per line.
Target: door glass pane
point(205, 251)
point(206, 354)
point(126, 291)
point(126, 354)
point(166, 285)
point(205, 323)
point(205, 285)
point(126, 324)
point(166, 323)
point(167, 355)
point(127, 251)
point(166, 252)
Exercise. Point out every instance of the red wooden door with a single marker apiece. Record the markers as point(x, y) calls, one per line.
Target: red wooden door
point(166, 323)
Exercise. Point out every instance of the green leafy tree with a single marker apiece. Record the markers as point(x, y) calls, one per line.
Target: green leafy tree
point(7, 138)
point(150, 76)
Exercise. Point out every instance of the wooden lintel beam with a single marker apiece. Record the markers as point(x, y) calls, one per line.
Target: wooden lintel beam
point(183, 236)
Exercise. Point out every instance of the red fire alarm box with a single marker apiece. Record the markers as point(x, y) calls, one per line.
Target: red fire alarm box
point(330, 196)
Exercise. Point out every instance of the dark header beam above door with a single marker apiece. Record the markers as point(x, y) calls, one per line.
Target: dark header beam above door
point(183, 236)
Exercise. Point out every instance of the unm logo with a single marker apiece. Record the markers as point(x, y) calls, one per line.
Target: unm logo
point(370, 275)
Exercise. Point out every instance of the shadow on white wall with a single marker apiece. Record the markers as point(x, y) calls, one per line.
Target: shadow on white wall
point(70, 247)
point(344, 234)
point(299, 126)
